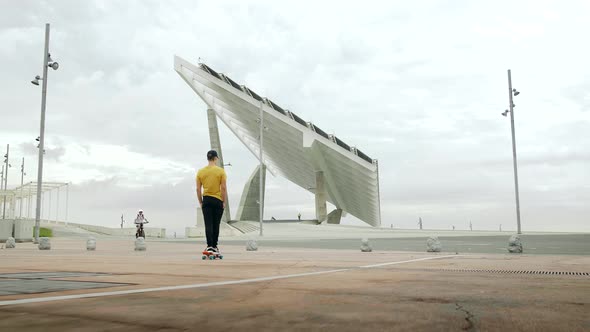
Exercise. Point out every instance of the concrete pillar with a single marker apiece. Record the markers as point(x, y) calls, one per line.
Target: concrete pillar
point(321, 195)
point(216, 145)
point(335, 216)
point(249, 209)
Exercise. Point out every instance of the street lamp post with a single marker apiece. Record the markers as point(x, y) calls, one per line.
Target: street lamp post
point(46, 64)
point(2, 180)
point(49, 209)
point(57, 210)
point(6, 166)
point(261, 188)
point(22, 177)
point(512, 93)
point(67, 198)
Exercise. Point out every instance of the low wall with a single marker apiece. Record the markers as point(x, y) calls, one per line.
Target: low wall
point(194, 232)
point(23, 230)
point(6, 229)
point(224, 230)
point(149, 231)
point(20, 229)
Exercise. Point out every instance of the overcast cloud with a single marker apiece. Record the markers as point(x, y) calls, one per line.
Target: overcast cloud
point(418, 85)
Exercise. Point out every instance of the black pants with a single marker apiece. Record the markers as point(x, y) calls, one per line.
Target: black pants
point(212, 212)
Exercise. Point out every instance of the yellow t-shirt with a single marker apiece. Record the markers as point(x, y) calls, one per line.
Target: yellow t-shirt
point(211, 177)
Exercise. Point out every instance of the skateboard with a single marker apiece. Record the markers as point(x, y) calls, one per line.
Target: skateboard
point(210, 255)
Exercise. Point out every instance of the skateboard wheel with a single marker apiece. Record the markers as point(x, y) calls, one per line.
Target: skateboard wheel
point(220, 257)
point(204, 256)
point(211, 257)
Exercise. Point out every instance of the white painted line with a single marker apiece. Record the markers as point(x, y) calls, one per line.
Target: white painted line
point(409, 261)
point(205, 285)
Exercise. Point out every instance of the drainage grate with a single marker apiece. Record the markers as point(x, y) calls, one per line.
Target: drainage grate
point(36, 286)
point(44, 282)
point(50, 275)
point(554, 273)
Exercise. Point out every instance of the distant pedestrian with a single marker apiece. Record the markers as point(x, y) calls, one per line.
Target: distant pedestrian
point(122, 221)
point(453, 227)
point(299, 216)
point(470, 226)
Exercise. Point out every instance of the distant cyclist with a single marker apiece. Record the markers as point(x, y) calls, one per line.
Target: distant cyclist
point(139, 221)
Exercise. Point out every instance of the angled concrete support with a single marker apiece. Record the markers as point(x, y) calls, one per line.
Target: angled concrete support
point(216, 145)
point(321, 196)
point(335, 216)
point(200, 219)
point(249, 209)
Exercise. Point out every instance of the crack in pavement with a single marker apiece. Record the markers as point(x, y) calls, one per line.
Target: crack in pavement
point(470, 326)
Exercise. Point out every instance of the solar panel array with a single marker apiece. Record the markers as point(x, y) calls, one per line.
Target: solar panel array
point(226, 79)
point(293, 148)
point(319, 131)
point(275, 106)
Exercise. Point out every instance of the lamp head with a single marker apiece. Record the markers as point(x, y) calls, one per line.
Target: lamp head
point(36, 80)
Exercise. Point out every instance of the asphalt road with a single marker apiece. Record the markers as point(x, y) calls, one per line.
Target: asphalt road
point(555, 244)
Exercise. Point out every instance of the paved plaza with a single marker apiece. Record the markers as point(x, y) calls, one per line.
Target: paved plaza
point(169, 288)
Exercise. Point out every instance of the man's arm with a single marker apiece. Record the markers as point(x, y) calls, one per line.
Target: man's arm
point(199, 193)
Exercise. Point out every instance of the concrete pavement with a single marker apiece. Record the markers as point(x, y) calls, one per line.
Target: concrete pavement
point(471, 292)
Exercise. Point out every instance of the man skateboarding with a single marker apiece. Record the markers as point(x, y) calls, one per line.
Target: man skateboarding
point(212, 194)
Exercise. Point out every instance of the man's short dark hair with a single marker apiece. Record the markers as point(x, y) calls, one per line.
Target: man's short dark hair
point(212, 154)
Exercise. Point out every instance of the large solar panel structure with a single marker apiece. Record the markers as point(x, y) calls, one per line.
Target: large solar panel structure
point(293, 148)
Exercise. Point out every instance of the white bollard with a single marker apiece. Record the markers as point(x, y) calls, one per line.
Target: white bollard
point(10, 243)
point(91, 244)
point(251, 245)
point(433, 244)
point(365, 246)
point(515, 244)
point(140, 244)
point(44, 243)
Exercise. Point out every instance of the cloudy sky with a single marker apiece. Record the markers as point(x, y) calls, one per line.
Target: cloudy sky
point(418, 85)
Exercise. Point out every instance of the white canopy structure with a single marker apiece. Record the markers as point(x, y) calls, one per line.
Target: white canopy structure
point(27, 193)
point(292, 147)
